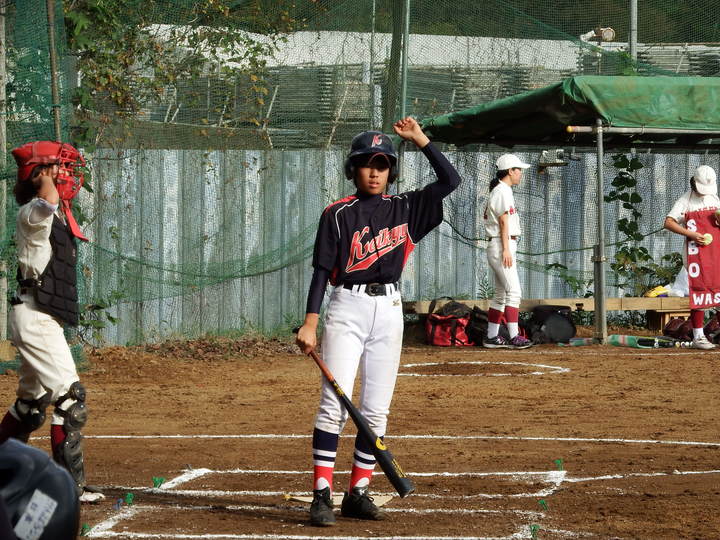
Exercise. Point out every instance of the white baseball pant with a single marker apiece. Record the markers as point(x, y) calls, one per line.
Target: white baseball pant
point(366, 332)
point(507, 281)
point(46, 363)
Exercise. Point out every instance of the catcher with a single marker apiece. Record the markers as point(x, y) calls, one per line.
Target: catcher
point(46, 299)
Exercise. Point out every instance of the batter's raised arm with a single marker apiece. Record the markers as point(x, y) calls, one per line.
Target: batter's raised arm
point(447, 177)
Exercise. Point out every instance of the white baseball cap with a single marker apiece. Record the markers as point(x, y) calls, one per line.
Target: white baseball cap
point(705, 180)
point(510, 161)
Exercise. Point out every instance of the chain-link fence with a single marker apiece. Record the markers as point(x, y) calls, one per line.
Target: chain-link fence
point(215, 137)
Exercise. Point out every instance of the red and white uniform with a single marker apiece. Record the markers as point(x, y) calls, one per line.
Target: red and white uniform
point(507, 281)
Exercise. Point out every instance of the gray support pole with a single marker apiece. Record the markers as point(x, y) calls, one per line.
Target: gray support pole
point(599, 250)
point(3, 185)
point(53, 69)
point(633, 30)
point(371, 85)
point(403, 86)
point(405, 42)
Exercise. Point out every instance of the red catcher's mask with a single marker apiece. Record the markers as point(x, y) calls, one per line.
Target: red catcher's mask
point(69, 181)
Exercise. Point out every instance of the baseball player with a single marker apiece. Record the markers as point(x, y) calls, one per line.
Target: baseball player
point(701, 195)
point(502, 225)
point(362, 244)
point(46, 299)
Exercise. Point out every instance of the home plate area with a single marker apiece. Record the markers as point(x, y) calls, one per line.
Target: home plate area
point(204, 502)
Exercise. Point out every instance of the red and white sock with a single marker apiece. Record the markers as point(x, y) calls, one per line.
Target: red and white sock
point(324, 452)
point(697, 318)
point(512, 315)
point(494, 317)
point(363, 464)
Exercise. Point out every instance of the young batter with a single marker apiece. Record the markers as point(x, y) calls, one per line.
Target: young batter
point(502, 225)
point(362, 244)
point(46, 300)
point(701, 195)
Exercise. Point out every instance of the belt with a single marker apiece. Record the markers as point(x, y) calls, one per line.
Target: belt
point(371, 289)
point(515, 237)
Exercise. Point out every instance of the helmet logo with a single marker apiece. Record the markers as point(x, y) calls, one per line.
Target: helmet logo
point(377, 140)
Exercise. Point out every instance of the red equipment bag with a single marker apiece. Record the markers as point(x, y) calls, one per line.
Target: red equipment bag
point(448, 326)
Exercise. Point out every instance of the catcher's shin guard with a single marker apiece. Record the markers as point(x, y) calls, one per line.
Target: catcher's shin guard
point(31, 413)
point(69, 453)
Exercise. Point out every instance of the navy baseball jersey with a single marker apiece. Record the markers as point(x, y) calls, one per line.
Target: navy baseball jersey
point(368, 238)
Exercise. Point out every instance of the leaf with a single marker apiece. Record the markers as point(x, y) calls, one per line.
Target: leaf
point(635, 164)
point(620, 162)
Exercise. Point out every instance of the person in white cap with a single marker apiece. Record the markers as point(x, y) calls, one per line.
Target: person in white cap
point(701, 195)
point(502, 225)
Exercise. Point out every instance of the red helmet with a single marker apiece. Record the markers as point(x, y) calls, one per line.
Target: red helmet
point(65, 156)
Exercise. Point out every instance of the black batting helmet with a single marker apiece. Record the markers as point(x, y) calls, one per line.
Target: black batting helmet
point(369, 143)
point(29, 478)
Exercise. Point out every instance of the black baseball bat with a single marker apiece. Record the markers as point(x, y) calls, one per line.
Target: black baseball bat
point(389, 465)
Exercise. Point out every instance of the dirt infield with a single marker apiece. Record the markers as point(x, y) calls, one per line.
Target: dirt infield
point(555, 442)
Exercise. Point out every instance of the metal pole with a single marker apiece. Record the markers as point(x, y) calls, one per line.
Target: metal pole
point(599, 250)
point(403, 87)
point(633, 31)
point(406, 39)
point(371, 87)
point(3, 185)
point(643, 131)
point(53, 68)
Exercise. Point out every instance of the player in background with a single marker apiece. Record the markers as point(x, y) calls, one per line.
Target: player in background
point(46, 299)
point(701, 195)
point(362, 244)
point(502, 225)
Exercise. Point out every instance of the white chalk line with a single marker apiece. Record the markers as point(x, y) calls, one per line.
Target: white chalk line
point(265, 493)
point(555, 478)
point(551, 370)
point(551, 476)
point(515, 536)
point(639, 475)
point(186, 476)
point(104, 526)
point(103, 529)
point(412, 437)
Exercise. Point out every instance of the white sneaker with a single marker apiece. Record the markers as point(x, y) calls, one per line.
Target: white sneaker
point(702, 343)
point(91, 497)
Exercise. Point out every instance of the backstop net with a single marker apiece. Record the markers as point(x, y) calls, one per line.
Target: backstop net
point(216, 131)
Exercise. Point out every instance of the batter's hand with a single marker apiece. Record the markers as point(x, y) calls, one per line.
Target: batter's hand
point(410, 130)
point(507, 258)
point(307, 338)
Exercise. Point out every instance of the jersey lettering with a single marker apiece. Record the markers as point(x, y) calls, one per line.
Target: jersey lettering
point(363, 256)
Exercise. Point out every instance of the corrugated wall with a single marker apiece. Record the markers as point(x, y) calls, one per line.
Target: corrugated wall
point(210, 242)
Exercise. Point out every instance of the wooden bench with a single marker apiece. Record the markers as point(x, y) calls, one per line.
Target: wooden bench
point(659, 310)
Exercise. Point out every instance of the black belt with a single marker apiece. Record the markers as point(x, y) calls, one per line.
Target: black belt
point(371, 289)
point(511, 238)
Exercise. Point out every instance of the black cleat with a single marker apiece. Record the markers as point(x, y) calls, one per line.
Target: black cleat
point(321, 509)
point(358, 504)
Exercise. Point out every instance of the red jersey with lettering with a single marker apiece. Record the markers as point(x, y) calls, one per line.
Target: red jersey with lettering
point(368, 238)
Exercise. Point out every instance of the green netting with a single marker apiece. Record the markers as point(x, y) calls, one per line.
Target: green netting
point(216, 131)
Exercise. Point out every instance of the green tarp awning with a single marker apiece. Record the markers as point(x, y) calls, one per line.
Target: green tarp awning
point(541, 116)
